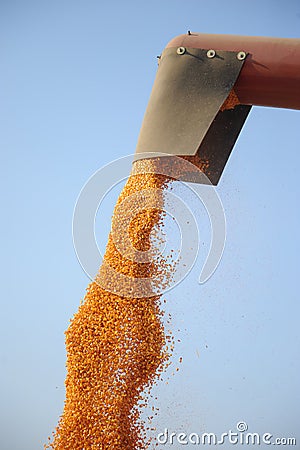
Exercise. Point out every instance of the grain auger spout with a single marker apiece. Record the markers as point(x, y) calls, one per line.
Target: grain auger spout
point(204, 89)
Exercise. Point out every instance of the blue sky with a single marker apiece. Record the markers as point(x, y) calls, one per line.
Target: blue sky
point(75, 81)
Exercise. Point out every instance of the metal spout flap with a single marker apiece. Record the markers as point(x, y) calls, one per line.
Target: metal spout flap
point(185, 117)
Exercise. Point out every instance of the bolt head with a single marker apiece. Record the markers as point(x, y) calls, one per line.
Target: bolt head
point(211, 53)
point(241, 56)
point(181, 50)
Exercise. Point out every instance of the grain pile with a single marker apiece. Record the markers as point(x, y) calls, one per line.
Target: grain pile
point(116, 344)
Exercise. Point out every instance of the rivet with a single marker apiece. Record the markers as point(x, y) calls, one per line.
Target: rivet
point(181, 50)
point(211, 54)
point(241, 56)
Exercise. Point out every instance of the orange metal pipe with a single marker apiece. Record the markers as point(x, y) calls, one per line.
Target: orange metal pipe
point(271, 73)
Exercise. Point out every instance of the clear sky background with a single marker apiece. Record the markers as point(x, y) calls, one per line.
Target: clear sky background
point(75, 80)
